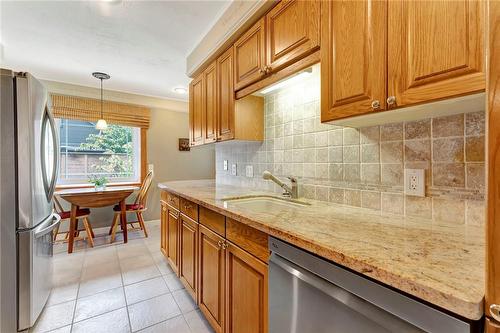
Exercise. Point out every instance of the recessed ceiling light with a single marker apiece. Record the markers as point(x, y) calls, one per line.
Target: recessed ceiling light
point(180, 90)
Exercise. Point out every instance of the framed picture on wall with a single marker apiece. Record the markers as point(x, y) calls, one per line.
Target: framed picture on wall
point(184, 144)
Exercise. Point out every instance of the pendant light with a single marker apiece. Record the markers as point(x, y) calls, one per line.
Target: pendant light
point(101, 123)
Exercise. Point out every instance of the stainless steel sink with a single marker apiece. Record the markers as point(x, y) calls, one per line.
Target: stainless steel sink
point(263, 203)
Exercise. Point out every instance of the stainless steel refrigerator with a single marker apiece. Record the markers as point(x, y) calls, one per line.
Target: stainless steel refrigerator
point(29, 164)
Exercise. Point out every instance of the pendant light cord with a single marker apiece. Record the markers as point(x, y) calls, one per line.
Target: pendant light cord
point(101, 101)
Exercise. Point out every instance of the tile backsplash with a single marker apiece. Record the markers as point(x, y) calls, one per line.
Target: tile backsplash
point(365, 167)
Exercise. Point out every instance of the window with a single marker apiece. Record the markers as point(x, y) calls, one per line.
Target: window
point(113, 153)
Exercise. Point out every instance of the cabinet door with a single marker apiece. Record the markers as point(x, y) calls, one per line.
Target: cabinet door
point(246, 292)
point(353, 58)
point(173, 239)
point(211, 277)
point(225, 91)
point(163, 229)
point(196, 110)
point(292, 32)
point(188, 245)
point(249, 56)
point(435, 49)
point(210, 111)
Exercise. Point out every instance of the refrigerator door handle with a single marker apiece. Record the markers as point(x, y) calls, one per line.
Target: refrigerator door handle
point(43, 230)
point(50, 185)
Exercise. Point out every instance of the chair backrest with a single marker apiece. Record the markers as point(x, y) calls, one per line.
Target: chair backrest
point(143, 191)
point(57, 205)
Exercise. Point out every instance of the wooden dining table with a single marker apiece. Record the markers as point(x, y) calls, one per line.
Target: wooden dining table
point(91, 198)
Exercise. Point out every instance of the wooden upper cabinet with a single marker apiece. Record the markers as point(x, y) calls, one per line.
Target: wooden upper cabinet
point(292, 32)
point(353, 58)
point(196, 110)
point(225, 96)
point(246, 292)
point(210, 110)
point(249, 55)
point(188, 253)
point(211, 277)
point(435, 49)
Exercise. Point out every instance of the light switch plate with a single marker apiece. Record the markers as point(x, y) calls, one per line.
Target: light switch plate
point(233, 169)
point(151, 168)
point(249, 171)
point(225, 165)
point(415, 182)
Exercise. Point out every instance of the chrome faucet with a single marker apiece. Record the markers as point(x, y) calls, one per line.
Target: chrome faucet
point(291, 192)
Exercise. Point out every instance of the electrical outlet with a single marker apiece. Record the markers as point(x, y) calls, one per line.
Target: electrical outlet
point(233, 169)
point(415, 182)
point(151, 168)
point(225, 165)
point(249, 171)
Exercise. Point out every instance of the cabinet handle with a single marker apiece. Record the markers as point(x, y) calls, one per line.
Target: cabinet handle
point(187, 206)
point(224, 245)
point(219, 243)
point(495, 311)
point(376, 104)
point(164, 209)
point(261, 71)
point(391, 100)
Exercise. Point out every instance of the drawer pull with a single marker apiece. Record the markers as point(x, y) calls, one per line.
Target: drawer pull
point(219, 243)
point(187, 206)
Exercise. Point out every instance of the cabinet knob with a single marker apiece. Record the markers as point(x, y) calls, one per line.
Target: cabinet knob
point(391, 100)
point(375, 104)
point(164, 209)
point(262, 70)
point(495, 311)
point(219, 243)
point(224, 245)
point(268, 69)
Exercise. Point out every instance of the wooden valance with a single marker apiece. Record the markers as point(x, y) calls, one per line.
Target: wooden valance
point(89, 109)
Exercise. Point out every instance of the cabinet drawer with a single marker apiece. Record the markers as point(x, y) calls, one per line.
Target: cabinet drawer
point(170, 199)
point(213, 221)
point(189, 209)
point(251, 240)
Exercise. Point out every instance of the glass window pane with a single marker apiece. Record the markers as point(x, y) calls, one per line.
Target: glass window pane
point(85, 152)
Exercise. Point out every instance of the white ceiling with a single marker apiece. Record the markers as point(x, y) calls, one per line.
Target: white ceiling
point(143, 45)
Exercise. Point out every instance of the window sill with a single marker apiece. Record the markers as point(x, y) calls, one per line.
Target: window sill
point(72, 186)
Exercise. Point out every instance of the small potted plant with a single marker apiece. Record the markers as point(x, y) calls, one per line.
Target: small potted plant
point(99, 182)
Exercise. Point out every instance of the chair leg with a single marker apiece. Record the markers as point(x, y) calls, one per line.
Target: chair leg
point(114, 226)
point(56, 232)
point(88, 230)
point(141, 223)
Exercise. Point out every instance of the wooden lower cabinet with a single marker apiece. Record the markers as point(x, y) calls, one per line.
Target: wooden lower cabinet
point(188, 254)
point(173, 238)
point(211, 277)
point(246, 292)
point(163, 228)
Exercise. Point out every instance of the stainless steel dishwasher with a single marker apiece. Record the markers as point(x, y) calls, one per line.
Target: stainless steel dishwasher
point(308, 294)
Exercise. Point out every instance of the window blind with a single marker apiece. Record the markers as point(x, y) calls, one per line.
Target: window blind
point(89, 109)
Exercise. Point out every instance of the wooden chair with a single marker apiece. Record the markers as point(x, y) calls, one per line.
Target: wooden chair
point(81, 214)
point(137, 207)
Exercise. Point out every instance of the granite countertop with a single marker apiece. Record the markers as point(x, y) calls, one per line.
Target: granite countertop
point(440, 264)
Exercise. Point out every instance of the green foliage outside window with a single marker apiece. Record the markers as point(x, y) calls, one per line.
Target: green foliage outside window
point(117, 142)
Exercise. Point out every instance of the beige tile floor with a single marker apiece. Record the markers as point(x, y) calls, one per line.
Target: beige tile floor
point(118, 288)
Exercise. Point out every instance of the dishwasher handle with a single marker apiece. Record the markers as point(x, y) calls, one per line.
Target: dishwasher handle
point(355, 303)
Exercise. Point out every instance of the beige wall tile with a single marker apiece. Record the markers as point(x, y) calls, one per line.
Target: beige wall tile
point(474, 148)
point(309, 170)
point(448, 150)
point(448, 210)
point(448, 174)
point(392, 203)
point(308, 191)
point(322, 139)
point(370, 173)
point(391, 174)
point(370, 153)
point(475, 123)
point(370, 134)
point(418, 206)
point(336, 195)
point(322, 170)
point(448, 126)
point(321, 155)
point(391, 132)
point(336, 171)
point(351, 154)
point(351, 136)
point(335, 154)
point(352, 197)
point(335, 137)
point(420, 129)
point(475, 174)
point(322, 193)
point(351, 172)
point(417, 150)
point(391, 152)
point(475, 212)
point(370, 199)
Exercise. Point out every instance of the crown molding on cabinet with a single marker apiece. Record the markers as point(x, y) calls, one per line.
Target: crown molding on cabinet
point(238, 17)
